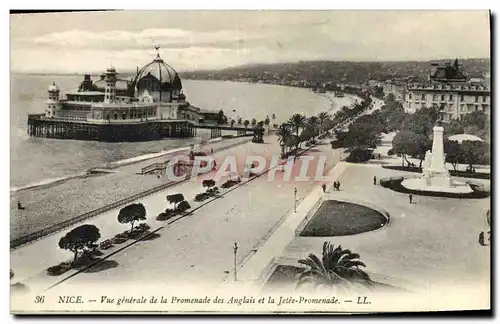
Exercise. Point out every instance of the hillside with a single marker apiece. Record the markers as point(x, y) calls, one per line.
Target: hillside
point(340, 71)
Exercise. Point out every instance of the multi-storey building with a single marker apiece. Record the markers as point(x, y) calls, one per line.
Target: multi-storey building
point(448, 89)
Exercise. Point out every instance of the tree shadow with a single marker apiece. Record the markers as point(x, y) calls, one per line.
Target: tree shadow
point(150, 237)
point(312, 150)
point(96, 253)
point(101, 266)
point(18, 288)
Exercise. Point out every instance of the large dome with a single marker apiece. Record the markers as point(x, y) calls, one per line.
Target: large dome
point(161, 72)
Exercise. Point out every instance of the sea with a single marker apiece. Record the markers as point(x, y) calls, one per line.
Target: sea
point(39, 161)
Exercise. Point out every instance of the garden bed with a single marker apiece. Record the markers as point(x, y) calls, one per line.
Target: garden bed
point(395, 183)
point(337, 218)
point(462, 174)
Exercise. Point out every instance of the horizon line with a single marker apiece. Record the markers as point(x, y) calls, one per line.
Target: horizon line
point(254, 64)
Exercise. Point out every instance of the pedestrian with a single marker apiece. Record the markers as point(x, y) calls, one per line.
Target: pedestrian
point(374, 180)
point(411, 198)
point(212, 151)
point(324, 187)
point(335, 186)
point(338, 185)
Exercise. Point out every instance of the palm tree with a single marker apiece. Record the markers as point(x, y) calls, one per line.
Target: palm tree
point(284, 133)
point(297, 121)
point(312, 126)
point(246, 122)
point(240, 121)
point(254, 122)
point(338, 268)
point(323, 116)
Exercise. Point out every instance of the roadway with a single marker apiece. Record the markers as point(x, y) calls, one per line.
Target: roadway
point(199, 248)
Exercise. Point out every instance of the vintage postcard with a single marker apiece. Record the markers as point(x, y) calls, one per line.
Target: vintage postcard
point(167, 162)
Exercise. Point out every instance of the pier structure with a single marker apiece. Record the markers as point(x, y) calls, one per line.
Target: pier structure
point(117, 131)
point(150, 106)
point(81, 129)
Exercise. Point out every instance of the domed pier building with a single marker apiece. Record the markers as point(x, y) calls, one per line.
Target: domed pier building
point(149, 106)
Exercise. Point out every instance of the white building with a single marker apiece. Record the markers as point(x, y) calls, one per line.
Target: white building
point(456, 100)
point(449, 89)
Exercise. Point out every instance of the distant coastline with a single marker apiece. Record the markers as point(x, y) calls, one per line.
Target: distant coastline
point(267, 65)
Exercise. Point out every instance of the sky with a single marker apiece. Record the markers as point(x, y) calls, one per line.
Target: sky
point(90, 42)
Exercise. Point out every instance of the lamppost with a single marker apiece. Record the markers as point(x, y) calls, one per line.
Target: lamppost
point(235, 249)
point(295, 200)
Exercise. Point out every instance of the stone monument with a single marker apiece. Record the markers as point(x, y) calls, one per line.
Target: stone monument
point(435, 176)
point(434, 171)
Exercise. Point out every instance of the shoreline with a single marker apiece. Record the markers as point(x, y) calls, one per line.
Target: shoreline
point(99, 190)
point(49, 182)
point(82, 174)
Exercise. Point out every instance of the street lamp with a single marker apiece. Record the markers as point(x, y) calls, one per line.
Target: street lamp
point(235, 249)
point(295, 200)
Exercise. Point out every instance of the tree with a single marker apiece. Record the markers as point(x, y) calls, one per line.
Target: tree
point(246, 123)
point(408, 143)
point(284, 134)
point(323, 117)
point(131, 214)
point(254, 122)
point(392, 115)
point(362, 134)
point(474, 152)
point(240, 121)
point(297, 122)
point(312, 126)
point(476, 118)
point(453, 152)
point(209, 183)
point(336, 268)
point(79, 239)
point(232, 122)
point(422, 121)
point(175, 199)
point(454, 127)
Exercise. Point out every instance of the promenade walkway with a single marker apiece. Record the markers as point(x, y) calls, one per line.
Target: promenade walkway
point(48, 205)
point(243, 201)
point(199, 248)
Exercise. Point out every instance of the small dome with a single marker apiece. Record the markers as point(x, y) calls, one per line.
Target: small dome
point(53, 88)
point(160, 71)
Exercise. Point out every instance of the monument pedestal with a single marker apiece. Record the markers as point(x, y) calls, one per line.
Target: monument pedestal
point(435, 176)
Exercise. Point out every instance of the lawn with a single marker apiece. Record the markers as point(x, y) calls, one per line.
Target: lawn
point(337, 218)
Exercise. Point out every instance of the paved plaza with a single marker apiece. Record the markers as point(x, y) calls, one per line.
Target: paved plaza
point(432, 242)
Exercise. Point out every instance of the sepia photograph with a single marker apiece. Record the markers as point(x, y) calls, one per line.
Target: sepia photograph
point(250, 162)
